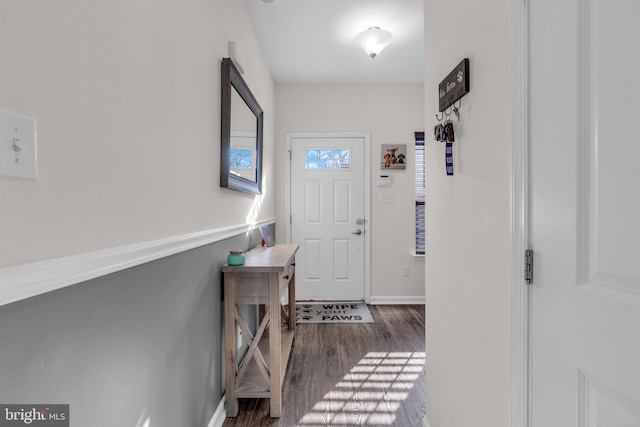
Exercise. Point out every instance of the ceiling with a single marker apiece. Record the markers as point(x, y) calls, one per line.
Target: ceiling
point(313, 41)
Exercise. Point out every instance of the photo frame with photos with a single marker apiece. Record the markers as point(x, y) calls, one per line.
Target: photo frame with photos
point(393, 156)
point(266, 235)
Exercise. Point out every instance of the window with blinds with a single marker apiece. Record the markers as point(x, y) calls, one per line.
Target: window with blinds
point(420, 193)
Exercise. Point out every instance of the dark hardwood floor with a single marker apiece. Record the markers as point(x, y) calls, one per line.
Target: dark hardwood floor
point(351, 375)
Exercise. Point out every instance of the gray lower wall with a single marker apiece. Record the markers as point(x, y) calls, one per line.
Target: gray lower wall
point(141, 344)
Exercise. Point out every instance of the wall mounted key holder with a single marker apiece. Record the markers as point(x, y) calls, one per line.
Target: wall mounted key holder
point(454, 86)
point(450, 91)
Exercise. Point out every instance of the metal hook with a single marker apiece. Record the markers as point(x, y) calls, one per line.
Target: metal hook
point(445, 111)
point(440, 118)
point(456, 110)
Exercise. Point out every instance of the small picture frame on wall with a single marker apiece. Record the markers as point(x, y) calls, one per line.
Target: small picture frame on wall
point(393, 156)
point(267, 238)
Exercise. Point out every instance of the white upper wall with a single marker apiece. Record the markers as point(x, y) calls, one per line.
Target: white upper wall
point(468, 254)
point(127, 101)
point(392, 113)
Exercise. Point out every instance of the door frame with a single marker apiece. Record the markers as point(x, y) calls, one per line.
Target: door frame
point(520, 396)
point(367, 192)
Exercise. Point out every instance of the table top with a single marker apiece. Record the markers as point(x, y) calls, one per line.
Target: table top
point(265, 259)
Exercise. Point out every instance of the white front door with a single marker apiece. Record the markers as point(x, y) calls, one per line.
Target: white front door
point(328, 218)
point(585, 204)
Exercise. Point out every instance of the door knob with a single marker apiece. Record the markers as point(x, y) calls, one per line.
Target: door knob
point(357, 232)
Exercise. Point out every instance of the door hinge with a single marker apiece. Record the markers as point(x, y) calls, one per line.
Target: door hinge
point(290, 219)
point(528, 266)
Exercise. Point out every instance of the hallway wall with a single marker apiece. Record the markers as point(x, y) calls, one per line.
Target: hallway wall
point(126, 95)
point(468, 242)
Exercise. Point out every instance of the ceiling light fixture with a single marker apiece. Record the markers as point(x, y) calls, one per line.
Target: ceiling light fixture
point(373, 40)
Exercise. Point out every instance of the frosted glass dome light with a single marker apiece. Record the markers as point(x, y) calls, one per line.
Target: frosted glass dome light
point(373, 40)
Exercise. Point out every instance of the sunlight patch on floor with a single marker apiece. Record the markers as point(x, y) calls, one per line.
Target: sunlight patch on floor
point(371, 393)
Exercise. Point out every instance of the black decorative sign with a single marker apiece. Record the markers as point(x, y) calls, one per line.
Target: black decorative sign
point(455, 86)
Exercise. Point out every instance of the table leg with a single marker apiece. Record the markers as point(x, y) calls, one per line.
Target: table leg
point(275, 338)
point(292, 306)
point(231, 347)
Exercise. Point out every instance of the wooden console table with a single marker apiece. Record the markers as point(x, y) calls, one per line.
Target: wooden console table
point(262, 280)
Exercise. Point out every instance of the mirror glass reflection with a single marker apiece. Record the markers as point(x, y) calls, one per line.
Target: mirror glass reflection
point(243, 141)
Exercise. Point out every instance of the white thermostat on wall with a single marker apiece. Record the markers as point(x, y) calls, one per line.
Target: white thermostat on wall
point(384, 180)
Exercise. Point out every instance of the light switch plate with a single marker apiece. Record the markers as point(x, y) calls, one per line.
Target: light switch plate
point(385, 197)
point(17, 145)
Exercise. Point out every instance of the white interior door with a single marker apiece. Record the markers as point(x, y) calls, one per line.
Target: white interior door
point(328, 217)
point(585, 200)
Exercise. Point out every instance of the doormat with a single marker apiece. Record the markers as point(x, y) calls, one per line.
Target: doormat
point(339, 312)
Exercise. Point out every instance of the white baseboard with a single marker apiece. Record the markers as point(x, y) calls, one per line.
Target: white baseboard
point(28, 280)
point(397, 300)
point(218, 417)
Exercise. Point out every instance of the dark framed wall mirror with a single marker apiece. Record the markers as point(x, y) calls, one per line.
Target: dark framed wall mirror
point(241, 134)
